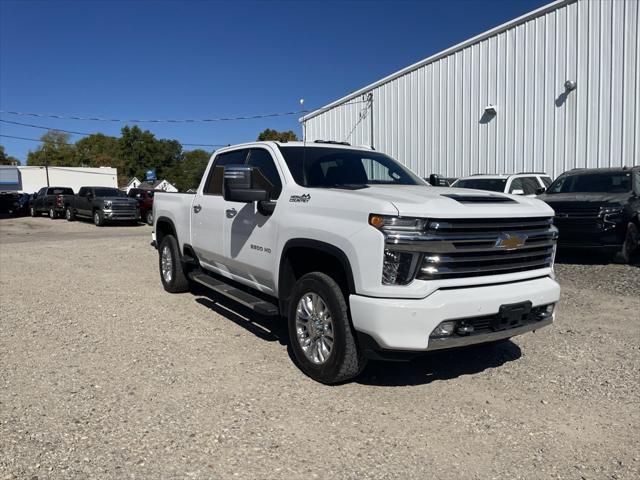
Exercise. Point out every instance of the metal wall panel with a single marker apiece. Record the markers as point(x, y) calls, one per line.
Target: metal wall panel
point(431, 115)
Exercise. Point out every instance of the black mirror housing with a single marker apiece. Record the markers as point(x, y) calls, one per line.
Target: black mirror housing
point(540, 191)
point(239, 185)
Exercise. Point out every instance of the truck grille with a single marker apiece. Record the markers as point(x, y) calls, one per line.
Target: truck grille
point(455, 248)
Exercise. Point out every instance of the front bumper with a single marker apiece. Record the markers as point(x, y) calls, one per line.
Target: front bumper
point(406, 324)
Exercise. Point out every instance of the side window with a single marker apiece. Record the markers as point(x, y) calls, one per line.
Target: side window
point(41, 191)
point(214, 181)
point(530, 185)
point(546, 181)
point(262, 159)
point(516, 184)
point(82, 192)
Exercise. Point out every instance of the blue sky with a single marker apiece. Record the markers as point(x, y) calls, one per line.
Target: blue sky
point(204, 59)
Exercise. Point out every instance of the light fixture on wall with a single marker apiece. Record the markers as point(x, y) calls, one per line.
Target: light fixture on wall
point(570, 85)
point(490, 110)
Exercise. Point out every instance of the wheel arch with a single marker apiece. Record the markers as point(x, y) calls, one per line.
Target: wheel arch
point(301, 255)
point(164, 226)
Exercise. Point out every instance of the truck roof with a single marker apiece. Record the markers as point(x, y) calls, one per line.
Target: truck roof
point(312, 144)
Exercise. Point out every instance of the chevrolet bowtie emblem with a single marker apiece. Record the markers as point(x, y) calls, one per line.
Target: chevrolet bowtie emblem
point(509, 241)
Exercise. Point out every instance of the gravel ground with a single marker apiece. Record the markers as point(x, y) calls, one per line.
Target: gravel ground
point(105, 375)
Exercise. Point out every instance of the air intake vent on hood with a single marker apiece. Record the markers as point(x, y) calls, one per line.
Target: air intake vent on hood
point(478, 198)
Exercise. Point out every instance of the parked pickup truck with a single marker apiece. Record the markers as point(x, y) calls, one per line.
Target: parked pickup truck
point(358, 253)
point(50, 200)
point(102, 204)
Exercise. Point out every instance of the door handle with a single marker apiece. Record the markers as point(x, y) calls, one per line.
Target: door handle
point(231, 212)
point(197, 208)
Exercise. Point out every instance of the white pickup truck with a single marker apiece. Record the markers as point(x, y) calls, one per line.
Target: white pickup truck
point(361, 256)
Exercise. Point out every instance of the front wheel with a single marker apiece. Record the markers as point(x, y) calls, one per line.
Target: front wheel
point(319, 330)
point(98, 218)
point(33, 212)
point(52, 214)
point(69, 215)
point(171, 271)
point(630, 245)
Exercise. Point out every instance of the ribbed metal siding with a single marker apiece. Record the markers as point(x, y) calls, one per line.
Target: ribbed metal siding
point(431, 118)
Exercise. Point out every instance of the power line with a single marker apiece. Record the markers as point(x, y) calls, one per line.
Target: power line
point(164, 120)
point(94, 133)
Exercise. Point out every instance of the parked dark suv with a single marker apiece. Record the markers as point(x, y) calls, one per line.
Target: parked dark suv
point(597, 208)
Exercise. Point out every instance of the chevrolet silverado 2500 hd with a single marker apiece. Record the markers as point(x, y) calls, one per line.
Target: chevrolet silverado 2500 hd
point(358, 253)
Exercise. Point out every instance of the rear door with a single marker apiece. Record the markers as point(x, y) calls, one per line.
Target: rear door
point(208, 215)
point(250, 234)
point(82, 202)
point(38, 203)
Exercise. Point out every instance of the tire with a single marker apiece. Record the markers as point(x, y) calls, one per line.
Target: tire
point(149, 217)
point(98, 218)
point(52, 214)
point(33, 212)
point(344, 360)
point(170, 266)
point(630, 245)
point(69, 215)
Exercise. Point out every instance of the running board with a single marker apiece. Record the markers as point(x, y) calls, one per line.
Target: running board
point(252, 302)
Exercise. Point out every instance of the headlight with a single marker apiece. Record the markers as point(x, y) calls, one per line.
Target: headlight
point(398, 267)
point(107, 204)
point(612, 213)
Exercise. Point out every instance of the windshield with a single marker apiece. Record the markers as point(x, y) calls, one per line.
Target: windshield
point(326, 167)
point(107, 192)
point(605, 182)
point(491, 184)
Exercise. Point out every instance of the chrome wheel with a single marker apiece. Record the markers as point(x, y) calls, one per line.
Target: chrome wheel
point(68, 214)
point(314, 328)
point(52, 214)
point(167, 264)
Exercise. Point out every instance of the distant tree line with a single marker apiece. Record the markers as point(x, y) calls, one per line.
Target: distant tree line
point(7, 159)
point(133, 153)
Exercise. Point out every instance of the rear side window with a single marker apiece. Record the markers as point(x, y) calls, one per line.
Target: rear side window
point(213, 186)
point(516, 184)
point(530, 185)
point(262, 159)
point(547, 181)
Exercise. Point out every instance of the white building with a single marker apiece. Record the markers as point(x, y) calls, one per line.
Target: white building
point(163, 185)
point(554, 89)
point(30, 179)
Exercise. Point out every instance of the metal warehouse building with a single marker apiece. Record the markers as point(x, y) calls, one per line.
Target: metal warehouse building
point(552, 90)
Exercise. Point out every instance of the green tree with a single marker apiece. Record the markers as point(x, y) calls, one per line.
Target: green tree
point(7, 159)
point(188, 172)
point(270, 134)
point(54, 150)
point(140, 151)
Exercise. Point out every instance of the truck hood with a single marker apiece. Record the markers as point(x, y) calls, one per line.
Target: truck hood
point(596, 198)
point(438, 202)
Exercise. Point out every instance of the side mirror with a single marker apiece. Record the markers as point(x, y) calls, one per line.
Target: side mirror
point(517, 192)
point(240, 184)
point(540, 191)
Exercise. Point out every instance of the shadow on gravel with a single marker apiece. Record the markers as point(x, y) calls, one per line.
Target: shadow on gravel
point(269, 329)
point(589, 257)
point(440, 366)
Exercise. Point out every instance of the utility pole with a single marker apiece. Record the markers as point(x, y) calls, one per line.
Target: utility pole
point(370, 99)
point(46, 163)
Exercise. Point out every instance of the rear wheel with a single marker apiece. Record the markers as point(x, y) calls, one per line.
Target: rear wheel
point(52, 214)
point(98, 218)
point(69, 215)
point(149, 217)
point(33, 212)
point(172, 272)
point(630, 245)
point(321, 336)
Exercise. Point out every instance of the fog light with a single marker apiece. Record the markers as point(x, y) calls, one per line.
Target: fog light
point(445, 329)
point(544, 311)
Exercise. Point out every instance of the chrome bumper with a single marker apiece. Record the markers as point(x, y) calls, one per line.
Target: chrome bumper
point(121, 214)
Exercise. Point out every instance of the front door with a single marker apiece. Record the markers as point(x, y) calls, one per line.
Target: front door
point(251, 234)
point(208, 215)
